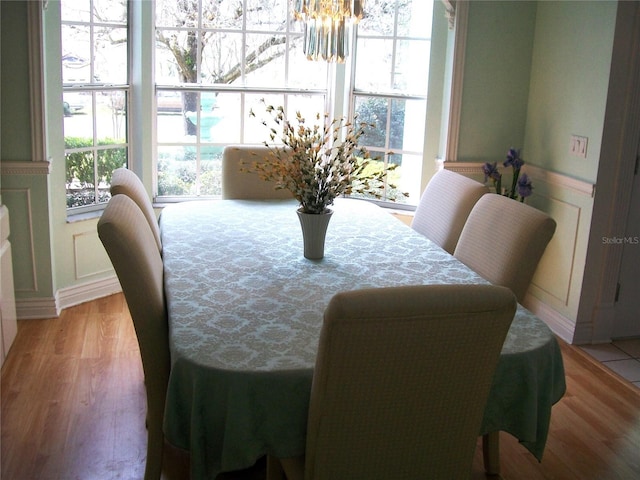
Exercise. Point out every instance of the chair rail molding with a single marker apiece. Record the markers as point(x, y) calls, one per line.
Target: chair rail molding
point(42, 167)
point(552, 178)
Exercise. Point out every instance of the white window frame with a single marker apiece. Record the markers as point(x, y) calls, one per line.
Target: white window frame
point(91, 89)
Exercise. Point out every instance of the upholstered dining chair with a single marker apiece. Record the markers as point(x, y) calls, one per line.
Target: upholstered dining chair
point(444, 207)
point(400, 384)
point(503, 241)
point(131, 246)
point(239, 184)
point(124, 181)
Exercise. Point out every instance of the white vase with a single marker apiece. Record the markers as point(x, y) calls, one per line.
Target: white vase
point(314, 230)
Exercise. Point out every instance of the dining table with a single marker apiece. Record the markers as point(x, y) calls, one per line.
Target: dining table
point(245, 308)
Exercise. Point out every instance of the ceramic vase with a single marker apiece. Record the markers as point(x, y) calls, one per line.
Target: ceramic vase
point(314, 230)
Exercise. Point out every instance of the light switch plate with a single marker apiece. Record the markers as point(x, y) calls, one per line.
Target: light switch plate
point(578, 146)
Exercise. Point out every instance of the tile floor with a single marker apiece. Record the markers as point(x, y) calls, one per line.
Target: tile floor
point(621, 356)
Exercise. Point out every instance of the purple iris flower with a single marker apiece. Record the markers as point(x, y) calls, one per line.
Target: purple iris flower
point(524, 186)
point(491, 171)
point(513, 159)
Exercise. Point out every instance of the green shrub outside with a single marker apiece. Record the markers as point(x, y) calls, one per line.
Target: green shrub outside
point(80, 166)
point(79, 170)
point(177, 172)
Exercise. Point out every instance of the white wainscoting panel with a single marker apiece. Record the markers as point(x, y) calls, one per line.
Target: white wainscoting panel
point(89, 260)
point(22, 238)
point(554, 293)
point(8, 324)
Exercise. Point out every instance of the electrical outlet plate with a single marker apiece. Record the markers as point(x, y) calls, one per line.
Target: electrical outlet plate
point(578, 146)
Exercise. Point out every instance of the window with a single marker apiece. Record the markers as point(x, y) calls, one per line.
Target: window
point(214, 62)
point(201, 66)
point(95, 93)
point(390, 85)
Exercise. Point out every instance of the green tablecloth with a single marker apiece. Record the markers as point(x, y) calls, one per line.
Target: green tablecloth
point(245, 309)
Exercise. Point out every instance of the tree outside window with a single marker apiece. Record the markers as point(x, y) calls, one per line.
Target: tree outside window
point(213, 62)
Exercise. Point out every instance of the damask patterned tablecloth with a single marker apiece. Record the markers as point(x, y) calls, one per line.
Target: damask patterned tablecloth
point(245, 310)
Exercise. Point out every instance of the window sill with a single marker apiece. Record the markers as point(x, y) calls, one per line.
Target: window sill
point(81, 217)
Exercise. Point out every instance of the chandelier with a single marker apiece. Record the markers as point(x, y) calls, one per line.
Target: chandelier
point(327, 27)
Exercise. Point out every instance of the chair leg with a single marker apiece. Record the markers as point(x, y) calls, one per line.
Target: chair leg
point(285, 468)
point(155, 447)
point(491, 453)
point(274, 469)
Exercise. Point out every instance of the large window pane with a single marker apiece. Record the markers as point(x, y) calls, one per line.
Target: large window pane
point(78, 114)
point(221, 14)
point(379, 18)
point(222, 58)
point(76, 54)
point(373, 111)
point(211, 171)
point(391, 85)
point(255, 131)
point(303, 73)
point(110, 55)
point(95, 97)
point(177, 55)
point(171, 122)
point(172, 13)
point(177, 170)
point(111, 116)
point(373, 65)
point(192, 171)
point(262, 50)
point(415, 18)
point(229, 110)
point(407, 125)
point(404, 176)
point(109, 159)
point(230, 55)
point(267, 15)
point(411, 69)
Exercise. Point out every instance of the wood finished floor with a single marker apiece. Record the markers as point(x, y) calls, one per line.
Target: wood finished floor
point(73, 402)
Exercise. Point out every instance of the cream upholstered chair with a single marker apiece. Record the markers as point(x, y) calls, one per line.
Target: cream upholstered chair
point(444, 207)
point(238, 184)
point(401, 380)
point(503, 241)
point(124, 181)
point(130, 244)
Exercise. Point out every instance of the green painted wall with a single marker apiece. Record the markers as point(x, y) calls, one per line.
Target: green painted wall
point(16, 118)
point(26, 196)
point(569, 81)
point(496, 79)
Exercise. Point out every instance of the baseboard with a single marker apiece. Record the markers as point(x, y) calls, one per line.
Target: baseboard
point(68, 297)
point(38, 308)
point(34, 308)
point(559, 324)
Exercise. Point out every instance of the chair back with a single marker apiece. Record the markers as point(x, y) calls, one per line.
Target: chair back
point(401, 380)
point(124, 181)
point(503, 241)
point(444, 207)
point(240, 184)
point(131, 246)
